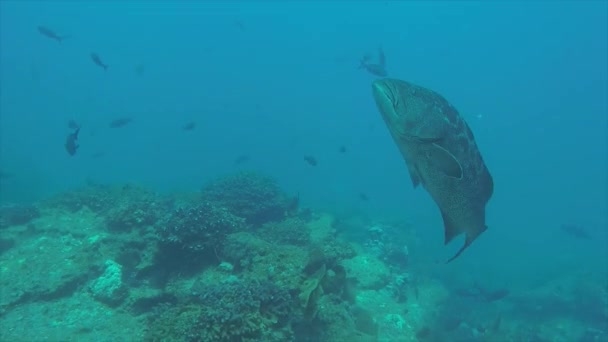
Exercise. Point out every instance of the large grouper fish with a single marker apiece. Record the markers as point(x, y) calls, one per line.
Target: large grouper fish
point(441, 154)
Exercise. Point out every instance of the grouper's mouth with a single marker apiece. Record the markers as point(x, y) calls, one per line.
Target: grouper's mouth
point(386, 98)
point(382, 91)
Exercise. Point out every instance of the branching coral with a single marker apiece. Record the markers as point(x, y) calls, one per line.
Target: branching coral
point(252, 196)
point(200, 227)
point(135, 208)
point(232, 311)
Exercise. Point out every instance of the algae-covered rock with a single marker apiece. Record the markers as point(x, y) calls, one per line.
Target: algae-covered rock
point(370, 272)
point(109, 288)
point(50, 266)
point(321, 228)
point(13, 215)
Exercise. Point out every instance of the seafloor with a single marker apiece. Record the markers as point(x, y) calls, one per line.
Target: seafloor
point(242, 261)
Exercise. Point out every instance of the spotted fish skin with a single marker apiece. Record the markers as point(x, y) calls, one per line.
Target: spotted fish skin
point(440, 152)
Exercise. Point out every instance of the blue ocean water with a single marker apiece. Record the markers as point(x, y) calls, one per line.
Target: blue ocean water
point(277, 81)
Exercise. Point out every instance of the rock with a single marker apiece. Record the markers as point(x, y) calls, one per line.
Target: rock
point(109, 288)
point(370, 272)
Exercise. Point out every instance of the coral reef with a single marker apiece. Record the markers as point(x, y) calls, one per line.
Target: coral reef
point(230, 311)
point(97, 198)
point(389, 242)
point(121, 263)
point(256, 198)
point(200, 228)
point(370, 272)
point(262, 260)
point(134, 208)
point(291, 230)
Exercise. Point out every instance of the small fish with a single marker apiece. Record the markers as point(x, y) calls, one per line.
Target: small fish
point(293, 205)
point(342, 149)
point(140, 69)
point(575, 230)
point(6, 175)
point(97, 60)
point(47, 32)
point(496, 325)
point(241, 159)
point(481, 293)
point(381, 57)
point(363, 197)
point(71, 142)
point(376, 69)
point(492, 296)
point(238, 23)
point(189, 126)
point(120, 122)
point(98, 154)
point(73, 125)
point(312, 161)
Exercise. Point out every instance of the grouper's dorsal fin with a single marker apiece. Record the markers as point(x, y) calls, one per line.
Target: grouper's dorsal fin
point(444, 161)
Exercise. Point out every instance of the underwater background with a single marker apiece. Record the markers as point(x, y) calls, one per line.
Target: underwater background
point(234, 180)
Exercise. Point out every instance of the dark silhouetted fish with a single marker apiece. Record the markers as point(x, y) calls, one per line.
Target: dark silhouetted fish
point(575, 230)
point(73, 124)
point(71, 142)
point(6, 175)
point(293, 205)
point(238, 23)
point(97, 60)
point(377, 69)
point(311, 160)
point(491, 296)
point(140, 69)
point(98, 154)
point(374, 69)
point(120, 122)
point(189, 126)
point(241, 159)
point(440, 153)
point(481, 293)
point(47, 32)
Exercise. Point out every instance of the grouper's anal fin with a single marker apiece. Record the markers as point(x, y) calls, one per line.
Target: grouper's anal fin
point(414, 176)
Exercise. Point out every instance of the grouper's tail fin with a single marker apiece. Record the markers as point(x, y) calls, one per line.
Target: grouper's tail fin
point(467, 242)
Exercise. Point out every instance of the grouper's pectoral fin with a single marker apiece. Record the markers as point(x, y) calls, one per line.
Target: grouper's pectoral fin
point(444, 161)
point(414, 175)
